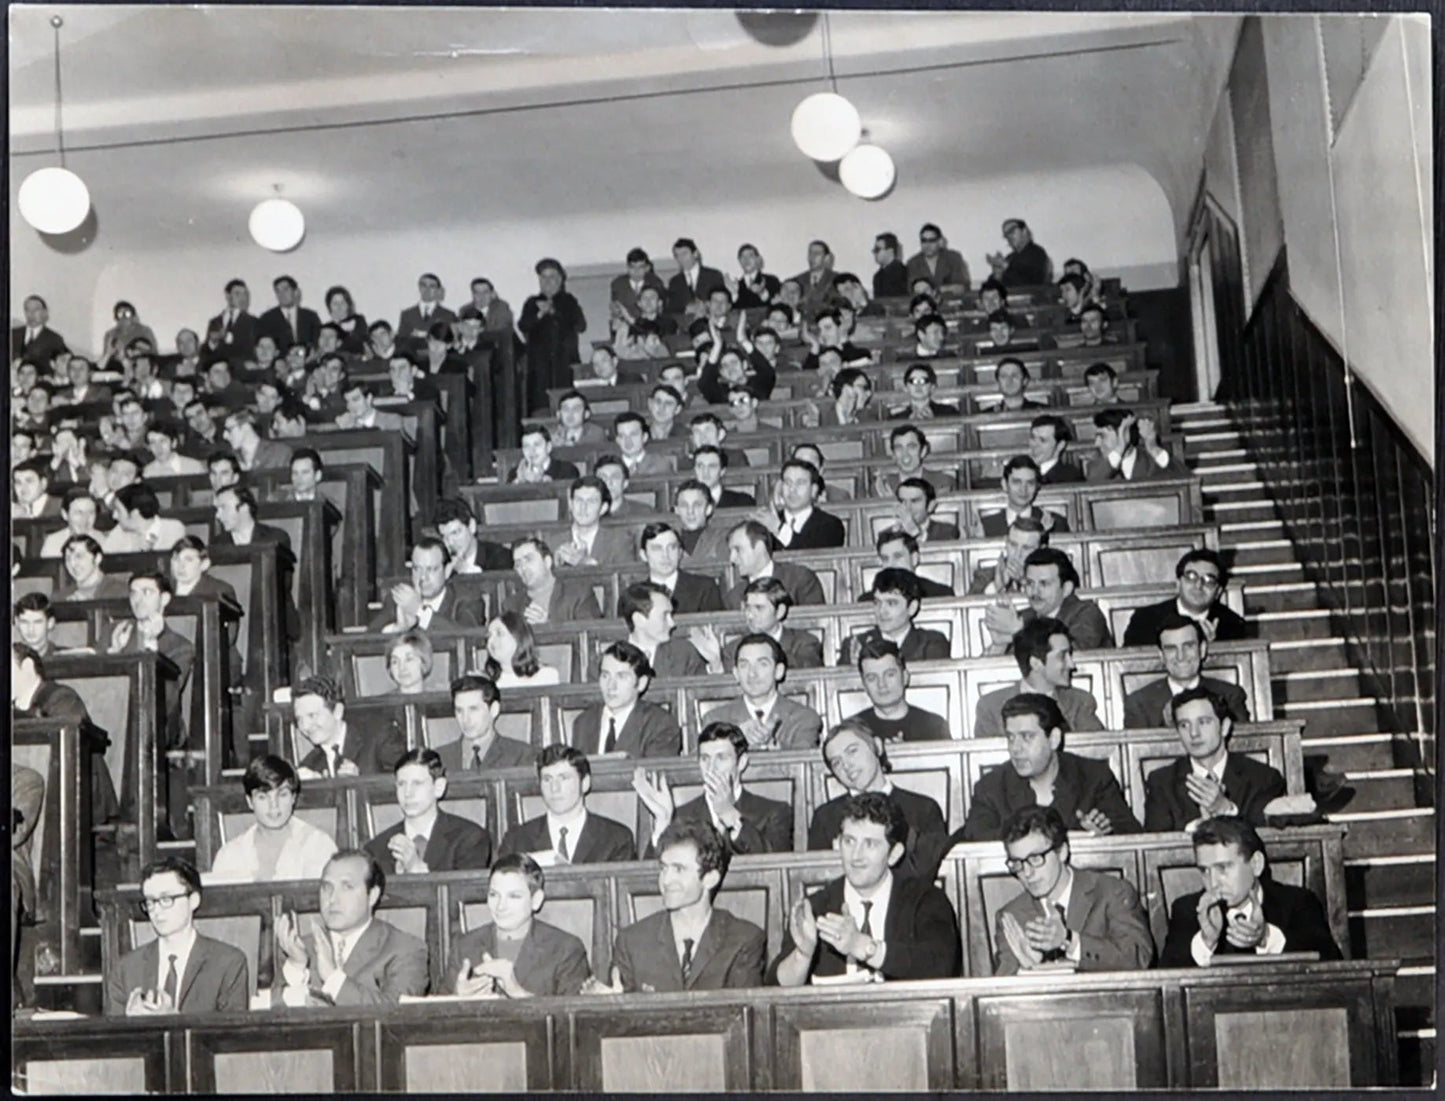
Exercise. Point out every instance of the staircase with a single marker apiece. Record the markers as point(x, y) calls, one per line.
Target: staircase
point(1390, 844)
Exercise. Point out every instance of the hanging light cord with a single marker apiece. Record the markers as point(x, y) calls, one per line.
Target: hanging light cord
point(827, 52)
point(56, 23)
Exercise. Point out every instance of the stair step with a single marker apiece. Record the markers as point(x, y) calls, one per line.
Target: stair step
point(1296, 655)
point(1343, 752)
point(1378, 790)
point(1387, 832)
point(1210, 454)
point(1330, 687)
point(1403, 880)
point(1297, 624)
point(1393, 931)
point(1332, 716)
point(1261, 527)
point(1281, 596)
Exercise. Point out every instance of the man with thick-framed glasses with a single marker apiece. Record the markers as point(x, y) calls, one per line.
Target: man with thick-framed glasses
point(1078, 919)
point(181, 970)
point(1200, 579)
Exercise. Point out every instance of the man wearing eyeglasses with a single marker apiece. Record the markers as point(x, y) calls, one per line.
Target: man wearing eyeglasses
point(1078, 919)
point(1200, 581)
point(891, 278)
point(181, 970)
point(936, 262)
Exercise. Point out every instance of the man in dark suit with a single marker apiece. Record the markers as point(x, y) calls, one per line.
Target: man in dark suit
point(1183, 647)
point(1051, 581)
point(817, 281)
point(1208, 781)
point(891, 278)
point(747, 822)
point(428, 839)
point(568, 833)
point(661, 548)
point(545, 597)
point(352, 957)
point(647, 610)
point(1071, 915)
point(624, 289)
point(750, 550)
point(253, 451)
point(800, 524)
point(896, 600)
point(870, 925)
point(1021, 487)
point(767, 718)
point(288, 322)
point(431, 601)
point(936, 262)
point(917, 499)
point(1201, 578)
point(181, 970)
point(339, 747)
point(232, 333)
point(35, 342)
point(147, 630)
point(1240, 910)
point(416, 321)
point(1130, 450)
point(899, 550)
point(623, 722)
point(766, 603)
point(688, 290)
point(689, 944)
point(476, 703)
point(1049, 439)
point(1084, 791)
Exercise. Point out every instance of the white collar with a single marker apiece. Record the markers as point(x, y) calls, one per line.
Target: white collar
point(423, 827)
point(1200, 768)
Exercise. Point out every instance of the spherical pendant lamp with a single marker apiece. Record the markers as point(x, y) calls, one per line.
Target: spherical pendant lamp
point(867, 171)
point(277, 225)
point(826, 126)
point(53, 200)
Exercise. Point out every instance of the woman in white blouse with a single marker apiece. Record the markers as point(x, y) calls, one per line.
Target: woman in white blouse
point(278, 845)
point(512, 659)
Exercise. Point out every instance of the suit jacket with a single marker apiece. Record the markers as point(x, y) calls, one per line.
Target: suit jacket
point(1145, 469)
point(1087, 626)
point(677, 657)
point(652, 462)
point(620, 290)
point(823, 531)
point(112, 587)
point(571, 600)
point(729, 955)
point(927, 840)
point(950, 268)
point(1296, 912)
point(919, 644)
point(1103, 913)
point(1144, 708)
point(650, 731)
point(453, 611)
point(920, 931)
point(502, 753)
point(1143, 629)
point(412, 321)
point(374, 742)
point(40, 351)
point(263, 533)
point(680, 295)
point(1081, 710)
point(1062, 473)
point(891, 280)
point(273, 323)
point(216, 979)
point(1249, 784)
point(614, 545)
point(767, 824)
point(455, 845)
point(816, 296)
point(384, 964)
point(995, 524)
point(270, 455)
point(242, 336)
point(736, 498)
point(801, 582)
point(695, 592)
point(550, 963)
point(799, 727)
point(1082, 785)
point(802, 649)
point(602, 841)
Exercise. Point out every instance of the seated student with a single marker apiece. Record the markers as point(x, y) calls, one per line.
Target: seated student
point(1049, 439)
point(709, 463)
point(660, 547)
point(743, 412)
point(800, 524)
point(1183, 648)
point(1012, 377)
point(897, 549)
point(428, 839)
point(1103, 383)
point(1200, 579)
point(1129, 449)
point(147, 629)
point(351, 957)
point(663, 405)
point(1050, 581)
point(647, 611)
point(517, 955)
point(708, 430)
point(896, 600)
point(760, 663)
point(828, 332)
point(784, 320)
point(139, 526)
point(340, 747)
point(182, 970)
point(766, 603)
point(884, 672)
point(858, 760)
point(545, 597)
point(689, 944)
point(431, 601)
point(457, 525)
point(1002, 332)
point(909, 447)
point(1208, 781)
point(642, 339)
point(930, 333)
point(852, 393)
point(1094, 326)
point(630, 432)
point(750, 550)
point(746, 822)
point(589, 499)
point(81, 511)
point(409, 662)
point(1025, 535)
point(1020, 483)
point(920, 381)
point(512, 657)
point(870, 924)
point(361, 410)
point(33, 620)
point(1069, 915)
point(624, 722)
point(476, 703)
point(1039, 772)
point(1241, 909)
point(163, 438)
point(537, 464)
point(693, 506)
point(575, 427)
point(1045, 654)
point(278, 844)
point(917, 501)
point(568, 833)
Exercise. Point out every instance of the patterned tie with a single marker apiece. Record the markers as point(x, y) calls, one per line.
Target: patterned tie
point(867, 927)
point(686, 960)
point(476, 765)
point(172, 984)
point(562, 852)
point(338, 948)
point(609, 743)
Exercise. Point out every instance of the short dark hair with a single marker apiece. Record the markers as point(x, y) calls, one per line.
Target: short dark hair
point(1200, 692)
point(653, 530)
point(308, 453)
point(895, 535)
point(1052, 556)
point(182, 868)
point(375, 876)
point(637, 255)
point(775, 648)
point(1202, 554)
point(37, 466)
point(33, 602)
point(709, 449)
point(808, 468)
point(476, 682)
point(757, 533)
point(928, 372)
point(1229, 829)
point(325, 687)
point(1032, 640)
point(636, 599)
point(160, 580)
point(139, 497)
point(907, 430)
point(874, 647)
point(268, 772)
point(523, 865)
point(1061, 428)
point(685, 242)
point(1045, 821)
point(1094, 370)
point(1173, 621)
point(428, 759)
point(929, 490)
point(431, 543)
point(629, 655)
point(725, 732)
point(904, 583)
point(874, 806)
point(712, 853)
point(1020, 364)
point(630, 417)
point(777, 593)
point(1044, 708)
point(559, 751)
point(244, 497)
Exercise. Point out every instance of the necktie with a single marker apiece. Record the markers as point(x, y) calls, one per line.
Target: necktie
point(610, 742)
point(476, 765)
point(335, 752)
point(230, 317)
point(425, 312)
point(338, 948)
point(1056, 953)
point(759, 713)
point(172, 984)
point(419, 843)
point(867, 927)
point(785, 533)
point(562, 852)
point(686, 960)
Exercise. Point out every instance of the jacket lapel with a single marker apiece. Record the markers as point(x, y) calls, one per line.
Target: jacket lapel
point(200, 957)
point(366, 949)
point(706, 947)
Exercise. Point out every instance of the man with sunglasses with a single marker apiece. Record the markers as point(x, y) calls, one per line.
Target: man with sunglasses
point(1200, 582)
point(181, 970)
point(1065, 915)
